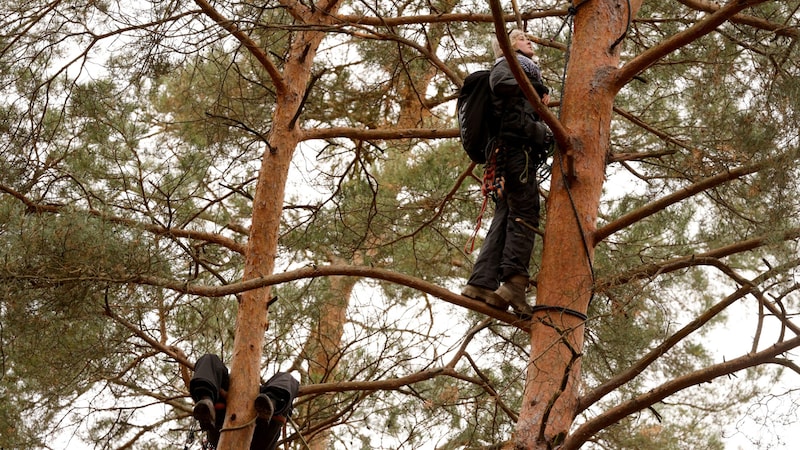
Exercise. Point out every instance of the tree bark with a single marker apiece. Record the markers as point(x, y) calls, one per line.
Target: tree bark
point(251, 319)
point(565, 282)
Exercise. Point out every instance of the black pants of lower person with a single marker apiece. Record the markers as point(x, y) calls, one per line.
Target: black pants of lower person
point(507, 249)
point(211, 375)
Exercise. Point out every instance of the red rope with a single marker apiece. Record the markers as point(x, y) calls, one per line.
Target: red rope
point(488, 186)
point(471, 241)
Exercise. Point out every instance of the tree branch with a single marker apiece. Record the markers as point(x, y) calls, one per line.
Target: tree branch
point(249, 44)
point(747, 287)
point(677, 196)
point(379, 134)
point(445, 18)
point(214, 238)
point(321, 271)
point(755, 22)
point(613, 415)
point(650, 56)
point(172, 352)
point(658, 133)
point(694, 259)
point(438, 210)
point(390, 384)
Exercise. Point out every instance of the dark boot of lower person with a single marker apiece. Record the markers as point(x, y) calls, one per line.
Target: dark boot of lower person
point(513, 292)
point(205, 413)
point(265, 407)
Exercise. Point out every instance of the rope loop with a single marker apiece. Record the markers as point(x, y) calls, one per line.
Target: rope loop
point(239, 427)
point(561, 309)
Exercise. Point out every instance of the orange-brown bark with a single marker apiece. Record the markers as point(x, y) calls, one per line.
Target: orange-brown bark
point(251, 320)
point(565, 281)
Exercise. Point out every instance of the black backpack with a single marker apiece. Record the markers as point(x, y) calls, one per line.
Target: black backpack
point(475, 121)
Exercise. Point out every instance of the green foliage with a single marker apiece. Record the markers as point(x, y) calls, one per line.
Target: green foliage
point(56, 341)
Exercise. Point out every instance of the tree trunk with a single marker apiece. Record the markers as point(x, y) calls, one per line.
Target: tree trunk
point(324, 346)
point(251, 319)
point(565, 280)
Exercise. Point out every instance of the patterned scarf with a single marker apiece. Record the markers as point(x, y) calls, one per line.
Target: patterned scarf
point(528, 66)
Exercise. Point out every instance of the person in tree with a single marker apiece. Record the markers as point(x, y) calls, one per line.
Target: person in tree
point(209, 387)
point(500, 275)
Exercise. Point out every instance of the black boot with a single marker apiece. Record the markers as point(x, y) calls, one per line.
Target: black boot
point(205, 413)
point(264, 407)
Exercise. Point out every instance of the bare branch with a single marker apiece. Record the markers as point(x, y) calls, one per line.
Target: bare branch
point(390, 384)
point(446, 18)
point(694, 260)
point(613, 415)
point(755, 22)
point(168, 350)
point(660, 134)
point(250, 45)
point(656, 206)
point(747, 287)
point(215, 238)
point(650, 56)
point(439, 210)
point(380, 134)
point(320, 271)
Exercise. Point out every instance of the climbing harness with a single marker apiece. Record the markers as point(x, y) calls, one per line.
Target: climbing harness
point(205, 444)
point(190, 438)
point(494, 180)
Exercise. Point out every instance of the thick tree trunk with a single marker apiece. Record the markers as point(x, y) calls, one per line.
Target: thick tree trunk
point(566, 279)
point(251, 318)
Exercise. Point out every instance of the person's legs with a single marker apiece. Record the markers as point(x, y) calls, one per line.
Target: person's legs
point(485, 277)
point(523, 215)
point(267, 433)
point(210, 376)
point(522, 195)
point(485, 272)
point(282, 389)
point(274, 406)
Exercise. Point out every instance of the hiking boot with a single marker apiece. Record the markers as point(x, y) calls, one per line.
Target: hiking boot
point(512, 291)
point(205, 414)
point(485, 295)
point(264, 407)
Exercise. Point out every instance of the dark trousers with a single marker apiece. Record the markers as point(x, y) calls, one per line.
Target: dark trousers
point(507, 249)
point(211, 375)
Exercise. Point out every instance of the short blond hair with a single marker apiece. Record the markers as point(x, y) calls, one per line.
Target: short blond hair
point(513, 34)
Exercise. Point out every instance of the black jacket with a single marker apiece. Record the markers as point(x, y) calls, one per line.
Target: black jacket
point(513, 113)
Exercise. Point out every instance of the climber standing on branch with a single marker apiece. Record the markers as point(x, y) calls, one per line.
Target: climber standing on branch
point(500, 275)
